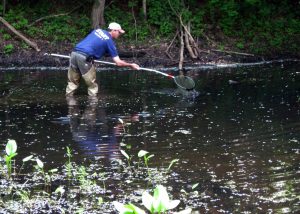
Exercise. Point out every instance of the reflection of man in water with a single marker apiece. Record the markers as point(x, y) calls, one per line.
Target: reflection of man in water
point(90, 130)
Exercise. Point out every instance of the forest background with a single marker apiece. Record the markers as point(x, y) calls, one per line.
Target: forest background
point(189, 28)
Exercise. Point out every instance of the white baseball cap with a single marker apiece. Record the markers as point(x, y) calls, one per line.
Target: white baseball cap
point(115, 26)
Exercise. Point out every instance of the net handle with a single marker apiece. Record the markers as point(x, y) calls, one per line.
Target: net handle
point(112, 63)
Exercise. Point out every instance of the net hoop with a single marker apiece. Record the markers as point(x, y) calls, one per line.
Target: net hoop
point(184, 82)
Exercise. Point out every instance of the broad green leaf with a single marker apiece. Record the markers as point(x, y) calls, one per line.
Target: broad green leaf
point(161, 199)
point(122, 209)
point(125, 154)
point(172, 162)
point(142, 153)
point(173, 204)
point(69, 152)
point(195, 185)
point(39, 163)
point(163, 194)
point(60, 190)
point(11, 147)
point(135, 209)
point(147, 200)
point(53, 170)
point(121, 121)
point(100, 200)
point(150, 156)
point(28, 158)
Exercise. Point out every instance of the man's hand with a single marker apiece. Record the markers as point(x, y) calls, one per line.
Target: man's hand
point(135, 66)
point(123, 63)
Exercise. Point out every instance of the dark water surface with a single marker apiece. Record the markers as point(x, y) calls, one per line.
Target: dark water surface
point(239, 139)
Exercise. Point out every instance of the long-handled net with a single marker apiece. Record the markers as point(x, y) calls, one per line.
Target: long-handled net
point(183, 82)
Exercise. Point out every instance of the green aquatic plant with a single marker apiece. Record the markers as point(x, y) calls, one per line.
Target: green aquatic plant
point(24, 195)
point(99, 201)
point(123, 124)
point(60, 190)
point(47, 176)
point(195, 186)
point(84, 181)
point(126, 156)
point(1, 166)
point(10, 149)
point(69, 164)
point(143, 153)
point(87, 178)
point(171, 164)
point(127, 208)
point(40, 169)
point(160, 201)
point(24, 160)
point(102, 178)
point(40, 165)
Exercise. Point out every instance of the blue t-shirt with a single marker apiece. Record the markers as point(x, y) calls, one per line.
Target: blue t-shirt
point(97, 43)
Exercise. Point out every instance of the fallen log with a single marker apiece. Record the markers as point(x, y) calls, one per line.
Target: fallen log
point(232, 52)
point(20, 35)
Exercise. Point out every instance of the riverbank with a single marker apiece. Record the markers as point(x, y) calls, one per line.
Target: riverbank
point(152, 54)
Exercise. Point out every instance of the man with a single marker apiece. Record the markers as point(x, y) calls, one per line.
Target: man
point(93, 46)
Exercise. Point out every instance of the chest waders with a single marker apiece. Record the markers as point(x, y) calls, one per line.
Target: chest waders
point(79, 67)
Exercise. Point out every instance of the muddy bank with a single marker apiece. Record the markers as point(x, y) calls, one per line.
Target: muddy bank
point(150, 55)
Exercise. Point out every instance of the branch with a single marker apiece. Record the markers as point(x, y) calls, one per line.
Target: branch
point(54, 15)
point(187, 32)
point(167, 51)
point(181, 56)
point(20, 35)
point(188, 46)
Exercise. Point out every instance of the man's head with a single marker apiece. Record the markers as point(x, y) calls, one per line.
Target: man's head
point(115, 30)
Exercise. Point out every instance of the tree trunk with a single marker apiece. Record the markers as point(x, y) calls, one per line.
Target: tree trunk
point(145, 9)
point(98, 14)
point(4, 7)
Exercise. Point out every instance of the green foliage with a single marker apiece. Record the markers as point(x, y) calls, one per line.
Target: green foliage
point(160, 201)
point(16, 17)
point(69, 164)
point(259, 25)
point(58, 29)
point(8, 49)
point(127, 208)
point(10, 149)
point(161, 16)
point(126, 18)
point(6, 36)
point(224, 14)
point(24, 196)
point(240, 45)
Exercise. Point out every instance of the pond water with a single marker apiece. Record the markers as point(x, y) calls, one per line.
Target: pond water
point(239, 138)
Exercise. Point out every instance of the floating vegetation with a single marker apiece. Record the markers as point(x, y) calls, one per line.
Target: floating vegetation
point(76, 188)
